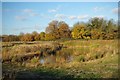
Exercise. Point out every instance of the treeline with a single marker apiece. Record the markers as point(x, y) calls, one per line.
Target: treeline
point(95, 28)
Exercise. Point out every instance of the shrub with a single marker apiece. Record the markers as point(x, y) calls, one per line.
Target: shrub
point(96, 55)
point(21, 49)
point(6, 53)
point(14, 59)
point(34, 60)
point(81, 58)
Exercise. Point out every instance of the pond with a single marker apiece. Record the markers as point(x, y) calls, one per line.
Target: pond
point(51, 59)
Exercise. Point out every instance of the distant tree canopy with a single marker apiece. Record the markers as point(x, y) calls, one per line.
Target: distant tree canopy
point(9, 38)
point(63, 29)
point(95, 28)
point(80, 31)
point(57, 30)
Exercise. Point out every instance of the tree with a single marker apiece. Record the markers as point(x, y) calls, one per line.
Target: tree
point(49, 36)
point(100, 28)
point(79, 31)
point(9, 38)
point(56, 34)
point(96, 28)
point(21, 36)
point(52, 31)
point(97, 23)
point(57, 30)
point(95, 33)
point(64, 30)
point(35, 36)
point(51, 27)
point(42, 36)
point(27, 37)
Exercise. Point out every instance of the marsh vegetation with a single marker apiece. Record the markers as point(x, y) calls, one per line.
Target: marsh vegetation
point(85, 50)
point(72, 59)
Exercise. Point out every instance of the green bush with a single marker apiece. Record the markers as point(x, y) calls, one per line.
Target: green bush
point(81, 58)
point(14, 58)
point(96, 55)
point(34, 60)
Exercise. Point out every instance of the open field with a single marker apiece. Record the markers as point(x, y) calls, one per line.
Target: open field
point(61, 60)
point(59, 40)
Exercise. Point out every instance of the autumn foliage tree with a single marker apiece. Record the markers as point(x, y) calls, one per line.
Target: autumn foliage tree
point(57, 30)
point(9, 38)
point(52, 26)
point(36, 36)
point(63, 29)
point(27, 37)
point(42, 36)
point(80, 31)
point(51, 30)
point(95, 28)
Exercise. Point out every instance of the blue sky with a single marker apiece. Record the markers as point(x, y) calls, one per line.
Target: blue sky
point(34, 16)
point(60, 0)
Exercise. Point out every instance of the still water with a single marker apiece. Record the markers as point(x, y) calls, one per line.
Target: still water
point(52, 59)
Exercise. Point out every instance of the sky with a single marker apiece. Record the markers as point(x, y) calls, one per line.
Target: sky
point(27, 17)
point(60, 0)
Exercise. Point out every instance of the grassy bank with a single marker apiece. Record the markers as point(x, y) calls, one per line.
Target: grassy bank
point(76, 59)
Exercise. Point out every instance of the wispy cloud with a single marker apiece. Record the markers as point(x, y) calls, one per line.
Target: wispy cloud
point(52, 10)
point(21, 18)
point(71, 17)
point(34, 14)
point(46, 16)
point(78, 17)
point(97, 9)
point(60, 16)
point(18, 28)
point(27, 10)
point(30, 12)
point(99, 16)
point(83, 16)
point(35, 27)
point(116, 10)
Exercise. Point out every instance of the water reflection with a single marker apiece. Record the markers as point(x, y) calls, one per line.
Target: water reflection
point(42, 61)
point(51, 59)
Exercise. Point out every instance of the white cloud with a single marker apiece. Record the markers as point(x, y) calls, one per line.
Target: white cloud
point(97, 9)
point(83, 17)
point(52, 10)
point(22, 18)
point(37, 27)
point(99, 16)
point(78, 17)
point(34, 14)
point(60, 16)
point(46, 16)
point(29, 13)
point(28, 10)
point(72, 17)
point(115, 10)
